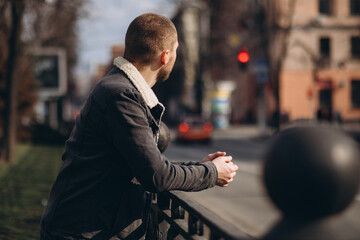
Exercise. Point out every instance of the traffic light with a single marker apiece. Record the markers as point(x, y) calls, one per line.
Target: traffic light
point(243, 58)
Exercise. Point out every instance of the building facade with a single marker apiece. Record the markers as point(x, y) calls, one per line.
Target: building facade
point(320, 74)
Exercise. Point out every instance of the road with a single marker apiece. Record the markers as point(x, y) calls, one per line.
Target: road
point(244, 203)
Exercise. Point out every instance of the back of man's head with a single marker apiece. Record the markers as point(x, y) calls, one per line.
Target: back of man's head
point(148, 35)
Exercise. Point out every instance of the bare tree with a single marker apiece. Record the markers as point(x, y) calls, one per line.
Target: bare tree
point(15, 10)
point(279, 20)
point(47, 23)
point(54, 25)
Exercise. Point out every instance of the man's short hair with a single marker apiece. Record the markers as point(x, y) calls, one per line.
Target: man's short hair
point(147, 35)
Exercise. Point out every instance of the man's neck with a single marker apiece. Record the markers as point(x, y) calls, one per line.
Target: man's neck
point(147, 73)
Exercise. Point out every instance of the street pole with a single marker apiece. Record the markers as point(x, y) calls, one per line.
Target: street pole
point(261, 107)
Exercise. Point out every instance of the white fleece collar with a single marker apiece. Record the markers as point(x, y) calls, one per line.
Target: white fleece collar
point(137, 79)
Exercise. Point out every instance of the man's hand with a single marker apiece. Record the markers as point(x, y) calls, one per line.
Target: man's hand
point(226, 170)
point(212, 156)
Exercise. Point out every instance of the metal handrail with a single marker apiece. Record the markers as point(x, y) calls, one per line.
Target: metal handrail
point(174, 214)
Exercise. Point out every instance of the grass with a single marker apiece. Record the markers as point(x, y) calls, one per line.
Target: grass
point(24, 188)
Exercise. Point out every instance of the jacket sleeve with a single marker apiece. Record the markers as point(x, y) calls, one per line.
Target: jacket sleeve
point(188, 163)
point(133, 137)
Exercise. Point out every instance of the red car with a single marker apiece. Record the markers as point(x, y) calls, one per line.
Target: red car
point(194, 128)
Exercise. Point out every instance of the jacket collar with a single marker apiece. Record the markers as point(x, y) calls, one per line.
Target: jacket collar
point(141, 85)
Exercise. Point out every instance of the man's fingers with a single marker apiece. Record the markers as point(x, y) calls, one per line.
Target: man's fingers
point(216, 154)
point(225, 183)
point(235, 167)
point(226, 169)
point(213, 156)
point(228, 159)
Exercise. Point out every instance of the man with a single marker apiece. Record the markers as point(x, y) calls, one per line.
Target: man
point(111, 161)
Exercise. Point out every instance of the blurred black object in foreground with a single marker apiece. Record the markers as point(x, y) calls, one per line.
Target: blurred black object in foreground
point(164, 137)
point(312, 173)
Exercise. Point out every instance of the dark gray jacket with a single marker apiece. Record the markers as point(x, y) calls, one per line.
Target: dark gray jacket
point(113, 142)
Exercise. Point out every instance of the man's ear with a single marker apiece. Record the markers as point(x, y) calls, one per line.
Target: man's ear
point(165, 56)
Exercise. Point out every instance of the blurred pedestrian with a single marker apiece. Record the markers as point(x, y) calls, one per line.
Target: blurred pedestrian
point(111, 162)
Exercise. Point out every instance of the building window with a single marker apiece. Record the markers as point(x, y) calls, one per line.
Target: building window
point(355, 7)
point(325, 7)
point(355, 93)
point(325, 47)
point(355, 47)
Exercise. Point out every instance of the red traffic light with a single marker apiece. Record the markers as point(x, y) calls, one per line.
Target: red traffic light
point(243, 56)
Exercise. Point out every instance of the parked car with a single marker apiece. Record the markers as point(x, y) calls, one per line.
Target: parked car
point(194, 128)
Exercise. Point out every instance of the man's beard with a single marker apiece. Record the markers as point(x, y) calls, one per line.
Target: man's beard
point(162, 75)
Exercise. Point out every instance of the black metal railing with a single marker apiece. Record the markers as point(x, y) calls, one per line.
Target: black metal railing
point(176, 216)
point(311, 174)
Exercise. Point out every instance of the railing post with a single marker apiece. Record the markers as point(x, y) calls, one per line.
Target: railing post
point(177, 212)
point(158, 228)
point(192, 223)
point(312, 173)
point(164, 226)
point(153, 225)
point(163, 201)
point(215, 236)
point(195, 226)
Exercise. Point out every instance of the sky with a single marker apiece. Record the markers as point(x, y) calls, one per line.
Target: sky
point(106, 25)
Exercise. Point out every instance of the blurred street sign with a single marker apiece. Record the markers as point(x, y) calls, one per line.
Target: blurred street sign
point(49, 67)
point(261, 70)
point(234, 40)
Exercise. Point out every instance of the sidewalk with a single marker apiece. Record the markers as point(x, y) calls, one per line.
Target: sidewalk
point(242, 131)
point(253, 131)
